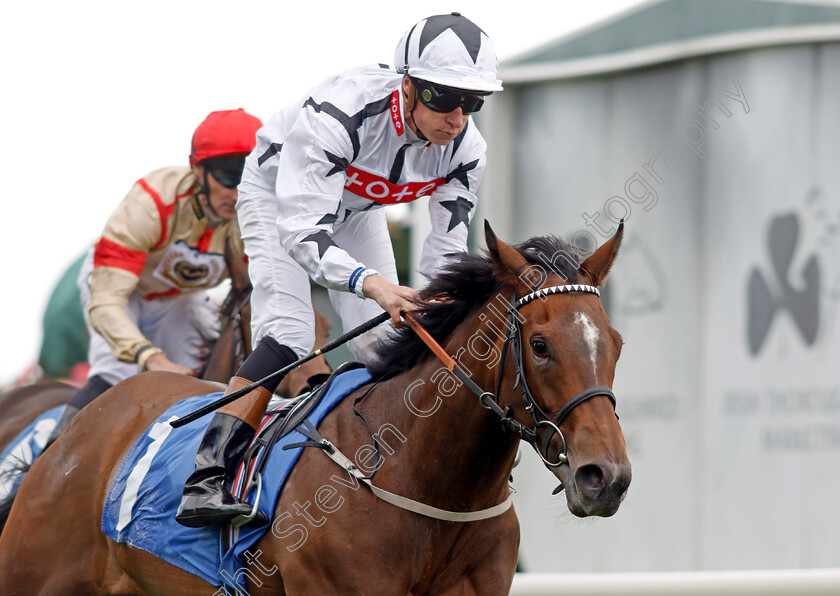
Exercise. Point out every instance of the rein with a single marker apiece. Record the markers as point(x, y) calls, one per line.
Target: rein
point(232, 308)
point(490, 401)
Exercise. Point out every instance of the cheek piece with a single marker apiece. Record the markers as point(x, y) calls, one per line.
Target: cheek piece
point(205, 190)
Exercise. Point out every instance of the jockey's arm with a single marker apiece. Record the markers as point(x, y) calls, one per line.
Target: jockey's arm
point(119, 258)
point(308, 201)
point(110, 289)
point(160, 362)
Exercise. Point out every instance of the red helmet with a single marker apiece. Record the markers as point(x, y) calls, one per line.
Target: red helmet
point(228, 133)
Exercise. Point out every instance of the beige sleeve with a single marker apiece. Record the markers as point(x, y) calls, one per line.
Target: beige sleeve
point(110, 288)
point(132, 230)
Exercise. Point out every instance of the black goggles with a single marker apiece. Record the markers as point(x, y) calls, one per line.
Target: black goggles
point(445, 99)
point(226, 170)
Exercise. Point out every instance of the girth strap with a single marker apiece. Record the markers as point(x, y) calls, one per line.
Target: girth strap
point(317, 440)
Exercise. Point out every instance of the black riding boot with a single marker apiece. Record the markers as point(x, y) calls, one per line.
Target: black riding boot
point(206, 499)
point(94, 387)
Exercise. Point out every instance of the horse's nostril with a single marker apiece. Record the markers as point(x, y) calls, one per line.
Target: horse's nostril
point(590, 480)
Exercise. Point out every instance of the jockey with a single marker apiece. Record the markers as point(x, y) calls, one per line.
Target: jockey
point(143, 284)
point(310, 207)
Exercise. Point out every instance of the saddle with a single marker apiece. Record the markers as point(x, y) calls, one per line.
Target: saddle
point(146, 491)
point(280, 421)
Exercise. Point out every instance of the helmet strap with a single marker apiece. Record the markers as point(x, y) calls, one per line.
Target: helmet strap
point(410, 104)
point(204, 191)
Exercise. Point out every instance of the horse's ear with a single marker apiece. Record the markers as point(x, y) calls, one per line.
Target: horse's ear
point(597, 266)
point(507, 262)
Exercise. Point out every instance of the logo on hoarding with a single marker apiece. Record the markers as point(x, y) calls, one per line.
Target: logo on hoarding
point(784, 290)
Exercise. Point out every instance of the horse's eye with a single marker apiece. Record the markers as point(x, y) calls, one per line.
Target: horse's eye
point(540, 348)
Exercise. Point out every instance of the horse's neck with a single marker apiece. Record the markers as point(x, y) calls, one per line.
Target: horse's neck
point(459, 449)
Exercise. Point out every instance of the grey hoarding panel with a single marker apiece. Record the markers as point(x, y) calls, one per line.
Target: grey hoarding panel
point(710, 160)
point(771, 384)
point(622, 134)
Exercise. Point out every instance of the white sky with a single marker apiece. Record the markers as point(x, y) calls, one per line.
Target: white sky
point(95, 94)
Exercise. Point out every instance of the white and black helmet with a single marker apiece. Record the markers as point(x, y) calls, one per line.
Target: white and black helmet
point(449, 50)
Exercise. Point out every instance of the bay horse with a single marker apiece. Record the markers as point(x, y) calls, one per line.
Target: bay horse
point(535, 341)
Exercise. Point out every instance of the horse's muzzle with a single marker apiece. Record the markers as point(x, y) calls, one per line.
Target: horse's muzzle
point(599, 488)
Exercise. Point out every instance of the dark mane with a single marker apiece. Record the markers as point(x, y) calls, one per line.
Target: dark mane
point(467, 282)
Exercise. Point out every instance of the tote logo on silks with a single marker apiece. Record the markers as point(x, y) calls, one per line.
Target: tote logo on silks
point(370, 186)
point(395, 112)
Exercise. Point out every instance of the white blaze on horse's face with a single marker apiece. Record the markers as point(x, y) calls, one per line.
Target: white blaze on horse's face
point(590, 336)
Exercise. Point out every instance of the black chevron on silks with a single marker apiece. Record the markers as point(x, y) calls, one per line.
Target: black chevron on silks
point(460, 210)
point(351, 123)
point(456, 142)
point(322, 239)
point(397, 166)
point(327, 108)
point(339, 163)
point(329, 218)
point(460, 173)
point(332, 110)
point(272, 150)
point(467, 32)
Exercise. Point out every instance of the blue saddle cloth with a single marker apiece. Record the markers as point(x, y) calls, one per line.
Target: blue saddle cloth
point(24, 448)
point(141, 505)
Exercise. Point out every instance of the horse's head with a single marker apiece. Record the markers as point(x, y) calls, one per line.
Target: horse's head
point(563, 354)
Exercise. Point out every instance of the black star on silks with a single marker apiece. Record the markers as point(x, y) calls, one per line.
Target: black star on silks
point(322, 239)
point(460, 173)
point(340, 164)
point(460, 210)
point(467, 32)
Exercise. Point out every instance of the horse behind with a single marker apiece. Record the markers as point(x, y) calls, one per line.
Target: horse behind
point(536, 343)
point(22, 405)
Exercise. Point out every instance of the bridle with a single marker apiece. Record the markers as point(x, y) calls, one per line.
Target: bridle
point(488, 400)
